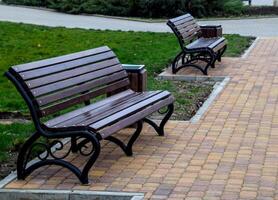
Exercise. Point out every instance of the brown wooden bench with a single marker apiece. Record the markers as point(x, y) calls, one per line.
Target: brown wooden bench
point(195, 45)
point(53, 86)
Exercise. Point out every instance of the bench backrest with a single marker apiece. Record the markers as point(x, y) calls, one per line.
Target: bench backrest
point(58, 83)
point(185, 28)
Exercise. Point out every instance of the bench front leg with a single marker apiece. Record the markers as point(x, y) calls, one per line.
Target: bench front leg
point(160, 128)
point(53, 150)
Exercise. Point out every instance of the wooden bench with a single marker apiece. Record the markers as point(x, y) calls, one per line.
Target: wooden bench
point(53, 86)
point(194, 46)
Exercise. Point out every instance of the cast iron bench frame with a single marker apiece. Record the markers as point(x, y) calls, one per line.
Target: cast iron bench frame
point(194, 45)
point(56, 84)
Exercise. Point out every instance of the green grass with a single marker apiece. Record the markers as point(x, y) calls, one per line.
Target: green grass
point(21, 43)
point(12, 136)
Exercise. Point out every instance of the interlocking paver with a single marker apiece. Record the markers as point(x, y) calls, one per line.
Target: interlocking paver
point(231, 153)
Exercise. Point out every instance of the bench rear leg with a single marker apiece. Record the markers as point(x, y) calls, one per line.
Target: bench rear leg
point(128, 148)
point(221, 52)
point(160, 128)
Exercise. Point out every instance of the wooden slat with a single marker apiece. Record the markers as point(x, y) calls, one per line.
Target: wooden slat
point(76, 80)
point(72, 114)
point(190, 34)
point(81, 119)
point(182, 26)
point(189, 28)
point(107, 131)
point(216, 42)
point(59, 59)
point(66, 104)
point(110, 111)
point(70, 73)
point(44, 100)
point(180, 18)
point(107, 121)
point(219, 46)
point(66, 66)
point(185, 19)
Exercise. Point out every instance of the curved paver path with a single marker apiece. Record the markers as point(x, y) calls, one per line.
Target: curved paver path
point(254, 27)
point(231, 153)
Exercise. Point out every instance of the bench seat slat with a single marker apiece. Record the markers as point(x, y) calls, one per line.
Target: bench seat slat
point(115, 98)
point(97, 116)
point(100, 124)
point(107, 131)
point(205, 43)
point(59, 59)
point(93, 113)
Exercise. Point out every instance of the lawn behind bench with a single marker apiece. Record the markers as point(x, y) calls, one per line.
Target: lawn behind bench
point(20, 43)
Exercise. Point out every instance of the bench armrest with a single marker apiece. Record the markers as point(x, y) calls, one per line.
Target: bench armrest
point(210, 26)
point(209, 31)
point(138, 77)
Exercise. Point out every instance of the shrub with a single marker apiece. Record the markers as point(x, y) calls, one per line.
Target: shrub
point(233, 7)
point(141, 8)
point(27, 2)
point(261, 10)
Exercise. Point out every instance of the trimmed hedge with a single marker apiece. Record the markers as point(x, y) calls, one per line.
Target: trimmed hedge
point(141, 8)
point(261, 10)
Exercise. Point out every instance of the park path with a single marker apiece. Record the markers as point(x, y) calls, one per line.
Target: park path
point(231, 153)
point(253, 27)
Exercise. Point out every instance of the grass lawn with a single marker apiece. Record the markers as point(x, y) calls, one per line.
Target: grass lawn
point(20, 43)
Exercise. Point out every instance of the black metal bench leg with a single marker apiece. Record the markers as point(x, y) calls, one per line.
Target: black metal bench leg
point(74, 147)
point(49, 157)
point(24, 155)
point(210, 62)
point(176, 62)
point(221, 52)
point(94, 155)
point(160, 128)
point(128, 148)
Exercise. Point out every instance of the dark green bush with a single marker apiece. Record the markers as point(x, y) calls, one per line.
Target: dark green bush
point(141, 8)
point(261, 10)
point(233, 7)
point(27, 2)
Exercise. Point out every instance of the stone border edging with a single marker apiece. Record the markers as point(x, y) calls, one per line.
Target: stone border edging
point(252, 46)
point(67, 194)
point(218, 87)
point(221, 82)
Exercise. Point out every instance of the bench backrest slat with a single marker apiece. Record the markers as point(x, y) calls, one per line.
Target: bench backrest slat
point(59, 83)
point(185, 28)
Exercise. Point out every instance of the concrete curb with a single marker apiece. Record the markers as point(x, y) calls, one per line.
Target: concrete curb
point(247, 51)
point(221, 82)
point(16, 194)
point(218, 87)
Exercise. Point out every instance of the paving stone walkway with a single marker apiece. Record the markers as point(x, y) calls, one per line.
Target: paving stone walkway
point(231, 153)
